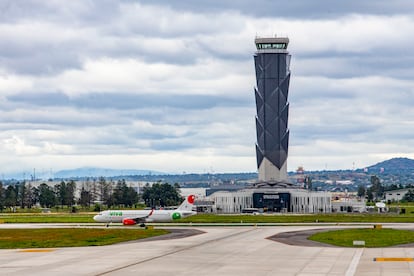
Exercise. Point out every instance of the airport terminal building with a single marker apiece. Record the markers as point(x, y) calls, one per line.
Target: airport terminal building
point(272, 200)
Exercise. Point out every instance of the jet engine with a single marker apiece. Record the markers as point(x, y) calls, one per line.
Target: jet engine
point(127, 221)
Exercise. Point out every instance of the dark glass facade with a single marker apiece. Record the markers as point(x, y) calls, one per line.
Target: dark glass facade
point(272, 107)
point(272, 202)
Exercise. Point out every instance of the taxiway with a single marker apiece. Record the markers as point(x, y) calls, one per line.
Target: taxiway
point(216, 251)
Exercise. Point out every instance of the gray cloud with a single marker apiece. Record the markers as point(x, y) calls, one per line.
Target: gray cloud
point(73, 12)
point(114, 83)
point(126, 101)
point(294, 8)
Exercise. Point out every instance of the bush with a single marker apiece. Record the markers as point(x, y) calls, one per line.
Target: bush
point(97, 207)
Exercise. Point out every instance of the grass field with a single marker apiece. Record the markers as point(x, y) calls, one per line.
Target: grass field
point(213, 218)
point(372, 237)
point(69, 237)
point(35, 238)
point(46, 218)
point(289, 218)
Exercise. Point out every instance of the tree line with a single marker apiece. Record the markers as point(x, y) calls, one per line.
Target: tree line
point(96, 192)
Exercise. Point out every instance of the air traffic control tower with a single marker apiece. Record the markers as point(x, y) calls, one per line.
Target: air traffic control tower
point(272, 62)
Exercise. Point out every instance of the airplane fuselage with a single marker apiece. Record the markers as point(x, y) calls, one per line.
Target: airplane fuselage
point(147, 216)
point(131, 217)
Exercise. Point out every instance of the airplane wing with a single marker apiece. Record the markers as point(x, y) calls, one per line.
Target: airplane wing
point(136, 219)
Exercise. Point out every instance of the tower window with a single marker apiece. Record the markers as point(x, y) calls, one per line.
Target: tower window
point(261, 46)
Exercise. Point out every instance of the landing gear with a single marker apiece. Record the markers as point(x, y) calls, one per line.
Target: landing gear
point(142, 225)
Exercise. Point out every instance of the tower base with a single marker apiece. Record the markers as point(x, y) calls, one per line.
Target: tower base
point(270, 173)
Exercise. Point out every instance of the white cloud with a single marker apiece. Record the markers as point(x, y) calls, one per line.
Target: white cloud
point(17, 145)
point(346, 34)
point(206, 77)
point(10, 84)
point(68, 78)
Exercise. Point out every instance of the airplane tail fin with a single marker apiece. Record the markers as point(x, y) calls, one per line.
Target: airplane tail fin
point(188, 203)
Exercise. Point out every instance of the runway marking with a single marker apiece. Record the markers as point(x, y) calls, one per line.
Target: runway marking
point(393, 259)
point(354, 263)
point(36, 250)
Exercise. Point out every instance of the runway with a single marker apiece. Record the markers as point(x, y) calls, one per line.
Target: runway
point(218, 251)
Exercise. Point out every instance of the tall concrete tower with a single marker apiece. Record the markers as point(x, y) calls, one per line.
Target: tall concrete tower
point(272, 62)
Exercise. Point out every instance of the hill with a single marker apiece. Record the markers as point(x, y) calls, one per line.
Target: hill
point(396, 166)
point(97, 172)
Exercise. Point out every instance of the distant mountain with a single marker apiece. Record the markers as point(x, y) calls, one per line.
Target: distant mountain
point(393, 166)
point(97, 172)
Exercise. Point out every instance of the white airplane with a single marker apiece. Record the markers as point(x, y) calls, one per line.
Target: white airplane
point(132, 217)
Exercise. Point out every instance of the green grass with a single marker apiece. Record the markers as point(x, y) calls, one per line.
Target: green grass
point(69, 237)
point(408, 206)
point(46, 218)
point(372, 237)
point(213, 218)
point(289, 218)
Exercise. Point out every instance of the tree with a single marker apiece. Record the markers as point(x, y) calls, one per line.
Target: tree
point(391, 187)
point(370, 196)
point(161, 194)
point(376, 188)
point(90, 185)
point(35, 195)
point(130, 196)
point(30, 196)
point(65, 193)
point(124, 195)
point(2, 195)
point(11, 196)
point(22, 191)
point(105, 190)
point(70, 193)
point(117, 195)
point(361, 191)
point(60, 190)
point(85, 198)
point(47, 198)
point(409, 196)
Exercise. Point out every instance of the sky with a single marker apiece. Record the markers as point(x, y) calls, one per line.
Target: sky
point(168, 85)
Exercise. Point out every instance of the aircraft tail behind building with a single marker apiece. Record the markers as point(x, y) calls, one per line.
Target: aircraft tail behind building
point(188, 204)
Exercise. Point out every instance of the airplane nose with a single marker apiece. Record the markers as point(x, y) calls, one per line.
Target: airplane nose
point(96, 218)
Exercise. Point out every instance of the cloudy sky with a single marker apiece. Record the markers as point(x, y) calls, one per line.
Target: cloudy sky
point(168, 85)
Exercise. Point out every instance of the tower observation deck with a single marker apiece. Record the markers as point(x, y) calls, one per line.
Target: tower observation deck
point(272, 62)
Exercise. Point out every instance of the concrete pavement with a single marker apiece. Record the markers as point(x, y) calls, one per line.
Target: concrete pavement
point(219, 251)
